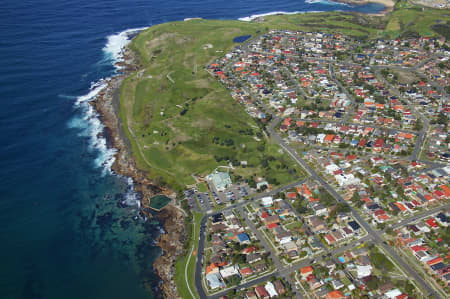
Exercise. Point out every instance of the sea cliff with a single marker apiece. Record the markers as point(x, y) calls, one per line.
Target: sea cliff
point(172, 216)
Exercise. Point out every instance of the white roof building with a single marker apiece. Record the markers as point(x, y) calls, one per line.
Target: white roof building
point(393, 293)
point(267, 201)
point(285, 240)
point(230, 271)
point(363, 271)
point(221, 180)
point(270, 288)
point(331, 168)
point(320, 137)
point(214, 281)
point(347, 179)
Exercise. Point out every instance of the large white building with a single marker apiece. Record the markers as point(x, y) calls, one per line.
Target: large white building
point(270, 288)
point(221, 180)
point(267, 201)
point(347, 179)
point(229, 271)
point(363, 271)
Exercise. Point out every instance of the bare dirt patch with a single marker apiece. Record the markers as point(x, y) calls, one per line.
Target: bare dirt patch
point(200, 83)
point(160, 40)
point(406, 77)
point(203, 123)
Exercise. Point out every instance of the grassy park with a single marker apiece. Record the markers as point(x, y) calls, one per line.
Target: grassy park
point(180, 120)
point(182, 267)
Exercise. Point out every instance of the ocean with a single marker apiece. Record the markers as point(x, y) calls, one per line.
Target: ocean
point(69, 227)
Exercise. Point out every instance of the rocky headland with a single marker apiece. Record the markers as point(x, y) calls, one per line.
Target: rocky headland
point(172, 216)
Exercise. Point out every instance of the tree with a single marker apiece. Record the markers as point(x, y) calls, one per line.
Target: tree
point(381, 262)
point(442, 119)
point(239, 259)
point(418, 125)
point(252, 183)
point(356, 197)
point(263, 187)
point(343, 207)
point(374, 283)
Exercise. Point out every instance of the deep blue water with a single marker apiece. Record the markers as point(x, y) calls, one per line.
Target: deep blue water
point(62, 232)
point(241, 39)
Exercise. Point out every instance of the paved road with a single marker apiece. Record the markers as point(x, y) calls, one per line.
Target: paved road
point(287, 270)
point(418, 216)
point(248, 284)
point(273, 255)
point(201, 247)
point(349, 123)
point(343, 89)
point(259, 196)
point(373, 234)
point(425, 121)
point(199, 262)
point(319, 258)
point(297, 86)
point(416, 68)
point(430, 164)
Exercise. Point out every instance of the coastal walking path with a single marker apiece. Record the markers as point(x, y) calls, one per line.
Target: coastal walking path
point(187, 264)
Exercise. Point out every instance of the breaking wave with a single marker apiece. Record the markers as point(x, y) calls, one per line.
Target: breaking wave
point(87, 120)
point(326, 2)
point(252, 17)
point(117, 42)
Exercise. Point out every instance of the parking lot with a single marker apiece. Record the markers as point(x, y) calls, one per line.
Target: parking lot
point(189, 195)
point(204, 201)
point(198, 201)
point(229, 195)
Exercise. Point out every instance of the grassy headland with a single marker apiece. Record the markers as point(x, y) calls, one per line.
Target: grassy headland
point(182, 122)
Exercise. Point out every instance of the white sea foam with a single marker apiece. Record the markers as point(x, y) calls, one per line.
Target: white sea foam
point(66, 96)
point(88, 121)
point(89, 125)
point(116, 43)
point(252, 17)
point(96, 88)
point(326, 2)
point(131, 197)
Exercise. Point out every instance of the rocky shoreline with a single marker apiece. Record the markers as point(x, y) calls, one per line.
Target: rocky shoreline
point(171, 242)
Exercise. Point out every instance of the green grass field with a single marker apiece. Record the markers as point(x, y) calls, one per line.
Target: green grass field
point(202, 187)
point(173, 125)
point(409, 20)
point(173, 109)
point(180, 265)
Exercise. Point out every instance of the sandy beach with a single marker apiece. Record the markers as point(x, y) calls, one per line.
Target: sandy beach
point(389, 4)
